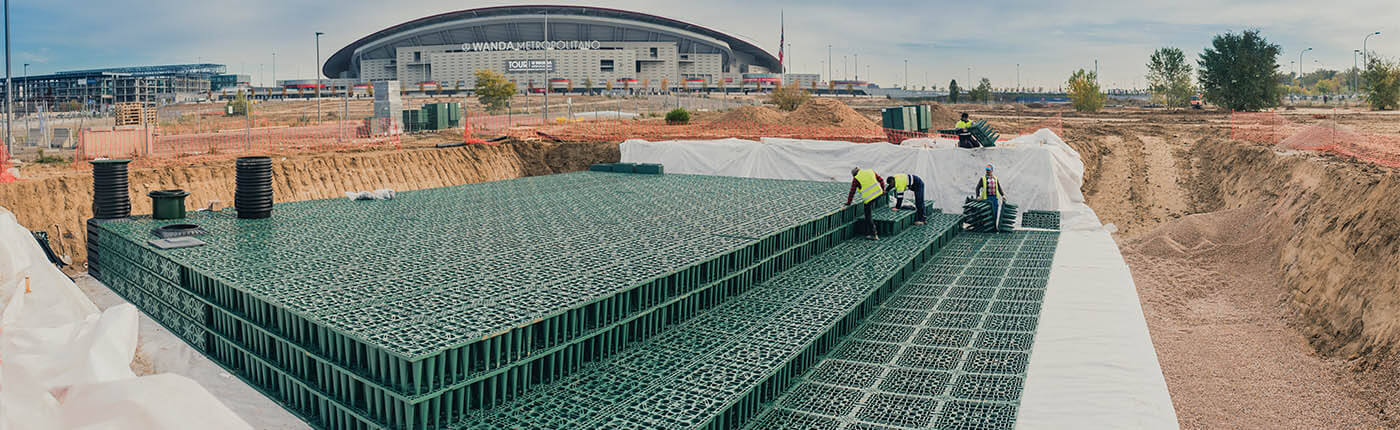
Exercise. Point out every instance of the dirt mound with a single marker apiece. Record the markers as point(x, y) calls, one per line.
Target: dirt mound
point(756, 114)
point(60, 204)
point(942, 116)
point(821, 112)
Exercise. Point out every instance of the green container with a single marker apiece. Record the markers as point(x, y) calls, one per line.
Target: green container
point(168, 204)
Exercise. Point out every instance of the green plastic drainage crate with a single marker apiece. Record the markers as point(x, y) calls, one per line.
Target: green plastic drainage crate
point(407, 314)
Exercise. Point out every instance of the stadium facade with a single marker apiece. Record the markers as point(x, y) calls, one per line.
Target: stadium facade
point(579, 47)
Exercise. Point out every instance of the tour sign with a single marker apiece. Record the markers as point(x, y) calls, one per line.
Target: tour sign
point(532, 45)
point(526, 66)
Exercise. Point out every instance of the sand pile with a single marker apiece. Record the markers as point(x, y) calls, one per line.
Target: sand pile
point(819, 112)
point(942, 116)
point(758, 114)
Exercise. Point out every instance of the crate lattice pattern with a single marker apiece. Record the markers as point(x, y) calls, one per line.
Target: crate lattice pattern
point(757, 349)
point(959, 355)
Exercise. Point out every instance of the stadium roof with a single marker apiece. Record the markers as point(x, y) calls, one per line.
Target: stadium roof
point(341, 61)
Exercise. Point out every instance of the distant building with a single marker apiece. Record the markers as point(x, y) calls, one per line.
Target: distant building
point(99, 88)
point(804, 80)
point(582, 47)
point(219, 82)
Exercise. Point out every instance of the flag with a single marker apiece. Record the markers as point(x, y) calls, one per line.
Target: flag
point(781, 37)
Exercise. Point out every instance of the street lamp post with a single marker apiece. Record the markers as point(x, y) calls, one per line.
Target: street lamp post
point(1300, 66)
point(24, 99)
point(828, 64)
point(1364, 54)
point(9, 87)
point(274, 68)
point(1355, 73)
point(906, 74)
point(857, 65)
point(316, 70)
point(1018, 77)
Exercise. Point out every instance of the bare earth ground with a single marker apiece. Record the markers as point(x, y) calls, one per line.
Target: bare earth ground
point(1229, 342)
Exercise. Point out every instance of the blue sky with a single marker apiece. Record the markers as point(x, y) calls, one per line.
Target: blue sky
point(940, 40)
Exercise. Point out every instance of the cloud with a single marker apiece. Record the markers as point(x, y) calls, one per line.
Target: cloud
point(939, 39)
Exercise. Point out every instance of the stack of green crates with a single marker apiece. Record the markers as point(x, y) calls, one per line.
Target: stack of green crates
point(437, 116)
point(413, 121)
point(908, 118)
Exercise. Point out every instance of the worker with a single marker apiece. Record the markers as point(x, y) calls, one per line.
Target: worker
point(989, 189)
point(906, 182)
point(965, 133)
point(870, 187)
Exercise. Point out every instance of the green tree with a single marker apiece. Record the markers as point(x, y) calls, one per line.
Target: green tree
point(1169, 77)
point(1382, 84)
point(983, 92)
point(1084, 91)
point(239, 104)
point(493, 90)
point(588, 85)
point(953, 91)
point(1239, 71)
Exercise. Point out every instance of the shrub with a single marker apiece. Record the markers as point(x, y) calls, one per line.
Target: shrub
point(1084, 91)
point(789, 97)
point(677, 116)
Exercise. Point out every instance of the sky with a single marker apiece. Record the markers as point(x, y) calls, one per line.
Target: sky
point(940, 40)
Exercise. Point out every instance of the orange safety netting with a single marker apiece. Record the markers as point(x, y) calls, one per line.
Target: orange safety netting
point(616, 131)
point(157, 146)
point(5, 175)
point(1328, 136)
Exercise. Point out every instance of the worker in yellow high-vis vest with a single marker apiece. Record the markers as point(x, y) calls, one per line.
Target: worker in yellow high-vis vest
point(964, 133)
point(902, 182)
point(870, 187)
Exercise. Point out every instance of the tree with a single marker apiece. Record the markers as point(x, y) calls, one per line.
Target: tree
point(1382, 84)
point(239, 104)
point(953, 91)
point(588, 85)
point(1169, 77)
point(1084, 91)
point(983, 92)
point(1239, 71)
point(788, 97)
point(493, 90)
point(69, 106)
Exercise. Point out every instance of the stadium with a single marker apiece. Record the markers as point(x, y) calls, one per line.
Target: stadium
point(570, 47)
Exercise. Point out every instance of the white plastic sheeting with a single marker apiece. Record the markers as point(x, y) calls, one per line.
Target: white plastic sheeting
point(1093, 364)
point(1037, 171)
point(65, 365)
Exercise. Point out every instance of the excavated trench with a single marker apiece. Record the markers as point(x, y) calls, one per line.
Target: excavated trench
point(60, 204)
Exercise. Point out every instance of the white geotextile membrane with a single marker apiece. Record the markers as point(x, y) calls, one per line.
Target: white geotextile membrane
point(1093, 364)
point(66, 365)
point(1037, 171)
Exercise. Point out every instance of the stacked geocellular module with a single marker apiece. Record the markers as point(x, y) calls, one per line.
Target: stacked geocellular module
point(416, 312)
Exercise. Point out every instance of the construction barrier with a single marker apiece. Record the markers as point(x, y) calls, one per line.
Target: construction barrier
point(5, 175)
point(617, 131)
point(1273, 129)
point(152, 146)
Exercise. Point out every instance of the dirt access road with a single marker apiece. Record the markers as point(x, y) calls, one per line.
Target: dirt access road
point(1238, 344)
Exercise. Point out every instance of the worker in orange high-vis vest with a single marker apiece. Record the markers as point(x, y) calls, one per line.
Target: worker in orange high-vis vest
point(870, 187)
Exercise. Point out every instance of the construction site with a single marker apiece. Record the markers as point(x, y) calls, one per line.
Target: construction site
point(676, 255)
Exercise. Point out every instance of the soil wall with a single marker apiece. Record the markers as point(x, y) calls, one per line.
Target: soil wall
point(1340, 228)
point(60, 204)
